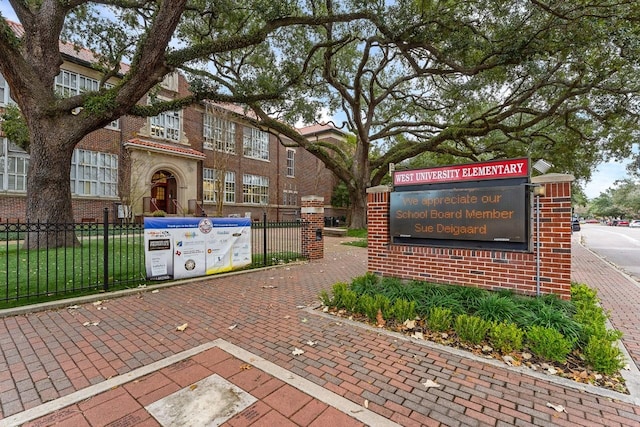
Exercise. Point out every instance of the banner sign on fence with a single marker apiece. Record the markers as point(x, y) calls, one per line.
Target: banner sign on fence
point(183, 247)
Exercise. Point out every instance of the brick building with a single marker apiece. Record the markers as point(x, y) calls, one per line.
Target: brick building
point(180, 162)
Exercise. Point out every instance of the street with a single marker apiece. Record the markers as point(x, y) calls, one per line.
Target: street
point(618, 245)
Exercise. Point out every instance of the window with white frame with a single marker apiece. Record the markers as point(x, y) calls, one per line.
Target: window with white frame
point(291, 162)
point(5, 93)
point(14, 164)
point(166, 125)
point(219, 134)
point(255, 189)
point(209, 186)
point(290, 198)
point(94, 173)
point(255, 143)
point(69, 84)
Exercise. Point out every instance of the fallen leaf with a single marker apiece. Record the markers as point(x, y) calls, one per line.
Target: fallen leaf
point(409, 324)
point(418, 335)
point(193, 387)
point(233, 326)
point(379, 319)
point(366, 403)
point(245, 367)
point(182, 327)
point(430, 384)
point(73, 307)
point(287, 317)
point(297, 352)
point(97, 303)
point(304, 320)
point(558, 408)
point(312, 343)
point(301, 306)
point(269, 287)
point(155, 291)
point(86, 323)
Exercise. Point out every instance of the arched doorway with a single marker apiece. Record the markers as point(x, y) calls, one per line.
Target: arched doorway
point(163, 192)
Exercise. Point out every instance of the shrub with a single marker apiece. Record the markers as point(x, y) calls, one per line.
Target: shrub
point(367, 284)
point(367, 306)
point(506, 336)
point(548, 343)
point(441, 300)
point(603, 355)
point(404, 310)
point(325, 298)
point(159, 213)
point(496, 308)
point(471, 329)
point(395, 289)
point(469, 297)
point(339, 290)
point(384, 305)
point(439, 319)
point(549, 317)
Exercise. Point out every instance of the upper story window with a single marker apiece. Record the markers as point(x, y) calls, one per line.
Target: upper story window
point(69, 84)
point(14, 164)
point(94, 173)
point(255, 143)
point(291, 162)
point(170, 82)
point(166, 125)
point(219, 134)
point(5, 95)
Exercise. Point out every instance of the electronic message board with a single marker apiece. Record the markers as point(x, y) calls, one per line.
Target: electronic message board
point(481, 205)
point(483, 214)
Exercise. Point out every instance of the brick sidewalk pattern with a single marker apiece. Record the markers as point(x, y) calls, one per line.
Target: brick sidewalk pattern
point(49, 354)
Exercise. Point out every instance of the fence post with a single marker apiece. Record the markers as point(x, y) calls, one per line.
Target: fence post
point(105, 253)
point(264, 238)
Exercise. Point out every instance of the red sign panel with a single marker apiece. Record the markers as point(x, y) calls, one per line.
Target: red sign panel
point(497, 169)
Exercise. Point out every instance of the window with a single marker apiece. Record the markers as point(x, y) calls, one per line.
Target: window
point(291, 162)
point(14, 164)
point(5, 96)
point(209, 186)
point(170, 82)
point(166, 125)
point(70, 84)
point(219, 134)
point(290, 198)
point(94, 173)
point(255, 143)
point(255, 189)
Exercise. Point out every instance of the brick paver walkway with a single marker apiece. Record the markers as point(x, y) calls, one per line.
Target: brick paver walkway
point(55, 353)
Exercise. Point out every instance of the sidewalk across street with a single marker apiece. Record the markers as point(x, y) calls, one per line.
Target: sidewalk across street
point(248, 349)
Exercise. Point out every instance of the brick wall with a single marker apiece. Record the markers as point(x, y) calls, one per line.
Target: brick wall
point(312, 213)
point(487, 269)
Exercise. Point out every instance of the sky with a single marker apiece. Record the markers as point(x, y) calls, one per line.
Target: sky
point(602, 179)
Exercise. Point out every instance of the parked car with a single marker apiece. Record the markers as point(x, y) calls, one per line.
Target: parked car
point(635, 223)
point(622, 223)
point(592, 221)
point(575, 225)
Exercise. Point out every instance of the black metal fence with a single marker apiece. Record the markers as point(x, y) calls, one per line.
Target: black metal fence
point(43, 261)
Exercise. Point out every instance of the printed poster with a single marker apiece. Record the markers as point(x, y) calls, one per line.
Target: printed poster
point(183, 247)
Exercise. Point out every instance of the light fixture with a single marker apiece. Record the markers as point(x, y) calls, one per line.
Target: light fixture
point(539, 190)
point(542, 166)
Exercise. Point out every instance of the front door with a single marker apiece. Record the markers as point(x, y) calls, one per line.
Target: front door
point(163, 192)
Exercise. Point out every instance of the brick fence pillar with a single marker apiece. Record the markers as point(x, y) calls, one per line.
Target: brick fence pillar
point(312, 213)
point(555, 232)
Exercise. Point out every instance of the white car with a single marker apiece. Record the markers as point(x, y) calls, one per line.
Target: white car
point(635, 223)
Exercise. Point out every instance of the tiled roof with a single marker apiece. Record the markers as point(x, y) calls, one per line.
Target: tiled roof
point(165, 148)
point(68, 49)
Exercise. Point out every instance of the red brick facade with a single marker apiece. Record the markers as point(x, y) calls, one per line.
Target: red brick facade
point(487, 269)
point(312, 213)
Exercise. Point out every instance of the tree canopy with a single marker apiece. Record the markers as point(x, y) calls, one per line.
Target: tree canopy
point(464, 81)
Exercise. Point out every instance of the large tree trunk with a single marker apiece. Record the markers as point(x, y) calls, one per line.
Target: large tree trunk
point(358, 209)
point(49, 209)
